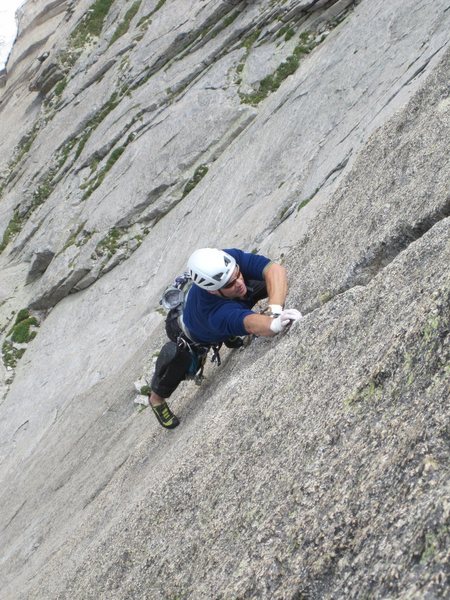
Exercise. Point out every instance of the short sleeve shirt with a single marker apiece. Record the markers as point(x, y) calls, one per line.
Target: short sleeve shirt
point(213, 319)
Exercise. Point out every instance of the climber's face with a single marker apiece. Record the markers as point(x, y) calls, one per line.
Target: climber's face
point(235, 288)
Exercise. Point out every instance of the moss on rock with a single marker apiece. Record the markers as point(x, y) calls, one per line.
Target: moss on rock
point(124, 25)
point(198, 175)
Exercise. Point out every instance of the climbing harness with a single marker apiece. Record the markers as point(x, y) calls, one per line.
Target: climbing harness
point(173, 300)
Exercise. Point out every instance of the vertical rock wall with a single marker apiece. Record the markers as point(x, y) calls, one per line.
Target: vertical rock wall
point(309, 466)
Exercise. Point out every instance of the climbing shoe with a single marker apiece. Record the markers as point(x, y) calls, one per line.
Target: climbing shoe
point(165, 416)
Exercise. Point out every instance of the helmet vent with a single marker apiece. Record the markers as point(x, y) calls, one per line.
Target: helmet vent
point(210, 268)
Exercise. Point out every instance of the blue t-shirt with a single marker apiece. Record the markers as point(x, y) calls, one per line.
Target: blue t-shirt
point(213, 319)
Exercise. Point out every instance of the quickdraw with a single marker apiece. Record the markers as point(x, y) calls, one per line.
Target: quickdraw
point(198, 353)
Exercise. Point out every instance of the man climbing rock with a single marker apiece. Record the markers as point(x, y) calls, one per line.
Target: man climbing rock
point(217, 309)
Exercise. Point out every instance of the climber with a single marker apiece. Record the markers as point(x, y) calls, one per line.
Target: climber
point(216, 310)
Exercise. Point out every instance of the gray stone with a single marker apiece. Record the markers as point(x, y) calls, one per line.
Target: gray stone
point(47, 79)
point(66, 273)
point(40, 261)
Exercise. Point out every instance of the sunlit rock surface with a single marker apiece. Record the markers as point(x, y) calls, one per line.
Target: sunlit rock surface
point(313, 465)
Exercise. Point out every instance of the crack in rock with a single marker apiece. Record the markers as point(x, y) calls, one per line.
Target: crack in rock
point(379, 256)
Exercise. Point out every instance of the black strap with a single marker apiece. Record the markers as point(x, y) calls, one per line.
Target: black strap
point(216, 355)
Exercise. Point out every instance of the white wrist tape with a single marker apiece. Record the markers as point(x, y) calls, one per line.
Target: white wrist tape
point(276, 326)
point(275, 309)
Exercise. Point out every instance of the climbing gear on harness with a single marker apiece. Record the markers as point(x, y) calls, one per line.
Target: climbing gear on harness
point(174, 296)
point(174, 299)
point(234, 342)
point(216, 356)
point(211, 268)
point(165, 416)
point(198, 353)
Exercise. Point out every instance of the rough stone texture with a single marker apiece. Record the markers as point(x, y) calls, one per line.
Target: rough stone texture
point(47, 79)
point(41, 260)
point(398, 189)
point(314, 465)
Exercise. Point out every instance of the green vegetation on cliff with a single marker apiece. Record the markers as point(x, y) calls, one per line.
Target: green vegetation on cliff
point(125, 23)
point(13, 228)
point(21, 333)
point(91, 24)
point(100, 176)
point(198, 175)
point(272, 82)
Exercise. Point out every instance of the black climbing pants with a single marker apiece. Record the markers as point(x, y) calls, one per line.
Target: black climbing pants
point(171, 368)
point(175, 360)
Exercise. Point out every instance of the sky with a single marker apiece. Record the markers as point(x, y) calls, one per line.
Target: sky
point(8, 27)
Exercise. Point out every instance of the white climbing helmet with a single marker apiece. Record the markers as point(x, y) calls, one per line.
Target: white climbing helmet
point(210, 268)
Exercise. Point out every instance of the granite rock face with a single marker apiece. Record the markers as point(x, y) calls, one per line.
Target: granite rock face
point(312, 465)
